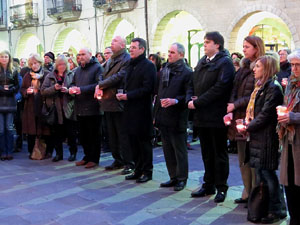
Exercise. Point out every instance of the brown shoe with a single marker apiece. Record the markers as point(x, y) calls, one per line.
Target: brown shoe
point(90, 165)
point(80, 163)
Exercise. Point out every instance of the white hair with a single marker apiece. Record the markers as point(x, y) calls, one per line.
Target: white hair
point(294, 55)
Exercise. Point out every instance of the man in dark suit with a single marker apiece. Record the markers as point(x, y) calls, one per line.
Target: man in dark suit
point(171, 115)
point(137, 117)
point(212, 83)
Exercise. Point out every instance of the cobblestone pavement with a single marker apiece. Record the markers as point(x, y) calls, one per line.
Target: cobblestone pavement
point(47, 193)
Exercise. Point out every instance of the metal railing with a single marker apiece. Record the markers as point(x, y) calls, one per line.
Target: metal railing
point(106, 2)
point(61, 6)
point(24, 12)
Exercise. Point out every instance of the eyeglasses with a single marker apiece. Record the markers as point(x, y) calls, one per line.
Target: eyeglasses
point(297, 65)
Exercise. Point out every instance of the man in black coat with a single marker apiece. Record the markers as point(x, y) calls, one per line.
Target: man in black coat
point(138, 86)
point(212, 84)
point(109, 86)
point(85, 79)
point(285, 66)
point(171, 115)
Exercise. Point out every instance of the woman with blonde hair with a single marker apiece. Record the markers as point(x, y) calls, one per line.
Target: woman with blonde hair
point(55, 90)
point(32, 125)
point(73, 63)
point(261, 120)
point(9, 86)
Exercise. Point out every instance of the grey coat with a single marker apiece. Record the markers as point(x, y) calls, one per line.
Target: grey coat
point(295, 120)
point(51, 95)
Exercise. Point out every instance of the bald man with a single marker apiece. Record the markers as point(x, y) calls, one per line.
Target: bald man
point(113, 109)
point(86, 78)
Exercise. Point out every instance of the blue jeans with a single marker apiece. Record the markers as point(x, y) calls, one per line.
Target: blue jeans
point(269, 178)
point(6, 134)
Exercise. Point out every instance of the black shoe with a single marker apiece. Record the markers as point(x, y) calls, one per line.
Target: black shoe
point(72, 158)
point(57, 158)
point(170, 183)
point(220, 197)
point(144, 178)
point(282, 215)
point(3, 158)
point(203, 192)
point(133, 176)
point(240, 200)
point(253, 219)
point(271, 218)
point(114, 166)
point(180, 185)
point(9, 157)
point(126, 171)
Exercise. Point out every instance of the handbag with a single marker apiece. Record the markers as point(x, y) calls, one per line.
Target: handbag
point(258, 203)
point(49, 114)
point(39, 149)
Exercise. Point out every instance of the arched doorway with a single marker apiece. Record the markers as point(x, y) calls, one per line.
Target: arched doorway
point(27, 44)
point(69, 40)
point(190, 35)
point(120, 27)
point(271, 28)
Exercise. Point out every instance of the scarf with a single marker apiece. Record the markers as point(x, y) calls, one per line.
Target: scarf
point(251, 104)
point(291, 99)
point(35, 79)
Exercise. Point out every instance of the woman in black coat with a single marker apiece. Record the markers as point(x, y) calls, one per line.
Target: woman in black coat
point(9, 86)
point(261, 118)
point(243, 85)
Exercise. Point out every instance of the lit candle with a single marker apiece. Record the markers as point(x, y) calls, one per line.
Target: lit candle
point(284, 81)
point(281, 110)
point(240, 126)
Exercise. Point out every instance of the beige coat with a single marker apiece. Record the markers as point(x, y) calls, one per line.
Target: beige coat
point(295, 120)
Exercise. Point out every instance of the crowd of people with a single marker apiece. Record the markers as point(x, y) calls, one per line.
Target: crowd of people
point(251, 99)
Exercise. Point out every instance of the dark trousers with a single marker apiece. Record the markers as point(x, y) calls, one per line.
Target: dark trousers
point(118, 139)
point(215, 158)
point(269, 178)
point(90, 137)
point(141, 150)
point(57, 138)
point(71, 128)
point(175, 151)
point(292, 192)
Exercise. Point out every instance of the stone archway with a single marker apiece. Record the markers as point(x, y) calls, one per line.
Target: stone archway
point(119, 26)
point(69, 39)
point(167, 32)
point(233, 33)
point(27, 44)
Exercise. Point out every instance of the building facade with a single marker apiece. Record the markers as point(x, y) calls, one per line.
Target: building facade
point(28, 26)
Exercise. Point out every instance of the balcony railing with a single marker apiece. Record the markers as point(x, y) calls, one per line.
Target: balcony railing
point(64, 10)
point(24, 15)
point(115, 6)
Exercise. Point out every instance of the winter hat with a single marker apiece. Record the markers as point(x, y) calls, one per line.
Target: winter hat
point(50, 55)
